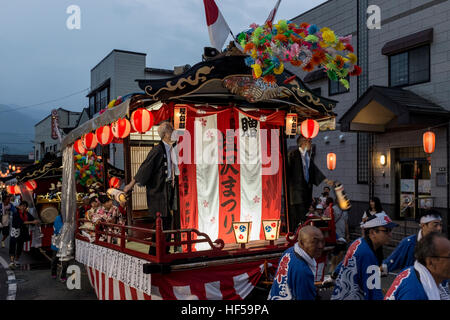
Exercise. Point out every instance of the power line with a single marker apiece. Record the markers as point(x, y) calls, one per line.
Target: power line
point(50, 101)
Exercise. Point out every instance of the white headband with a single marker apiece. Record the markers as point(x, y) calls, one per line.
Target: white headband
point(429, 218)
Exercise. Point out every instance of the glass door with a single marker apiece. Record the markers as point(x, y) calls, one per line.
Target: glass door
point(415, 187)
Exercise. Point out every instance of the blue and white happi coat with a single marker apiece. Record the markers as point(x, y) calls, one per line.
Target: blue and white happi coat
point(359, 276)
point(294, 279)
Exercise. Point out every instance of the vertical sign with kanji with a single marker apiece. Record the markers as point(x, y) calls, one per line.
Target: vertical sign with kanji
point(54, 124)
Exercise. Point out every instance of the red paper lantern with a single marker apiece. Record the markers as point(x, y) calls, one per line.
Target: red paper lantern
point(78, 146)
point(114, 182)
point(141, 120)
point(429, 141)
point(121, 128)
point(309, 128)
point(331, 161)
point(89, 141)
point(16, 189)
point(31, 185)
point(10, 189)
point(104, 135)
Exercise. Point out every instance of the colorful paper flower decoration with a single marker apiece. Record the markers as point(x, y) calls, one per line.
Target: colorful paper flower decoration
point(270, 47)
point(88, 169)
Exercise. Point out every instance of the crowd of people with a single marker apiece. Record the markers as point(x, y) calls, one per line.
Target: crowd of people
point(100, 207)
point(356, 268)
point(16, 218)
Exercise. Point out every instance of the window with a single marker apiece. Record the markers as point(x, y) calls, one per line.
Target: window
point(97, 102)
point(104, 98)
point(363, 158)
point(335, 87)
point(410, 67)
point(138, 155)
point(91, 106)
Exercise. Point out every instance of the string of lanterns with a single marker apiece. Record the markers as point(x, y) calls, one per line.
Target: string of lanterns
point(141, 121)
point(30, 185)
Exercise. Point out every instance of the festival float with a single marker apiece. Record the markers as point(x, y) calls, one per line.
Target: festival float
point(233, 113)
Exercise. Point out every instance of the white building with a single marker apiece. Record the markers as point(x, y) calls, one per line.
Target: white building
point(114, 76)
point(43, 141)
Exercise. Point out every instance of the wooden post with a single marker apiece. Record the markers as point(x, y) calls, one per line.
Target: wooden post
point(128, 177)
point(122, 238)
point(286, 191)
point(105, 167)
point(159, 241)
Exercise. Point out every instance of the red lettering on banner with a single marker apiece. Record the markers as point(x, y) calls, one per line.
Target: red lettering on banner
point(229, 177)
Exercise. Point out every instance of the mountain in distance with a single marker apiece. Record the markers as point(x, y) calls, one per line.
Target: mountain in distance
point(17, 128)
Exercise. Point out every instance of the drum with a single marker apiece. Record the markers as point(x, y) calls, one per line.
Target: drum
point(48, 213)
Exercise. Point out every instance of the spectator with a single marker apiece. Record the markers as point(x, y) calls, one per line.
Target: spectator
point(403, 255)
point(374, 207)
point(57, 226)
point(84, 208)
point(325, 194)
point(358, 275)
point(328, 206)
point(295, 275)
point(107, 212)
point(19, 232)
point(319, 210)
point(422, 281)
point(312, 210)
point(94, 205)
point(6, 210)
point(342, 235)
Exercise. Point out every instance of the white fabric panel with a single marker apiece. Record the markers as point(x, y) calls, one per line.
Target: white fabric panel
point(183, 293)
point(212, 290)
point(207, 159)
point(251, 177)
point(156, 295)
point(242, 286)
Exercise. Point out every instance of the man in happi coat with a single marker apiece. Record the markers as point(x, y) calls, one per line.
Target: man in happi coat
point(359, 275)
point(423, 280)
point(295, 275)
point(403, 255)
point(301, 175)
point(158, 174)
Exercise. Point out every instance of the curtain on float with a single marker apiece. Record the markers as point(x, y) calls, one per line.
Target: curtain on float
point(68, 206)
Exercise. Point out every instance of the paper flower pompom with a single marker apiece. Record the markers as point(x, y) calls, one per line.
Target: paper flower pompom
point(349, 47)
point(257, 70)
point(339, 46)
point(279, 70)
point(339, 61)
point(345, 83)
point(356, 71)
point(312, 29)
point(269, 79)
point(332, 75)
point(353, 58)
point(329, 36)
point(308, 67)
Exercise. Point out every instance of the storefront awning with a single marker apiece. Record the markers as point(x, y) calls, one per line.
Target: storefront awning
point(384, 109)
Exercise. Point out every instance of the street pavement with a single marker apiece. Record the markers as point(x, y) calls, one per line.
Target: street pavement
point(34, 282)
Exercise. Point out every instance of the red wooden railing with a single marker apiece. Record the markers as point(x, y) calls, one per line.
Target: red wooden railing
point(329, 231)
point(116, 236)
